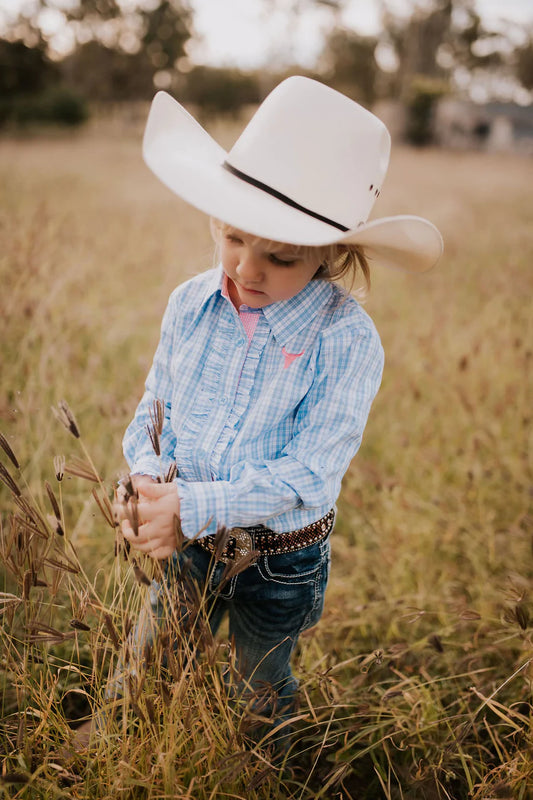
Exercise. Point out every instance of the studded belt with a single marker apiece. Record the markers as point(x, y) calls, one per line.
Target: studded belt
point(235, 543)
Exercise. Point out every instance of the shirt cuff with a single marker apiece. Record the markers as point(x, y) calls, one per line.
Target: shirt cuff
point(204, 507)
point(146, 466)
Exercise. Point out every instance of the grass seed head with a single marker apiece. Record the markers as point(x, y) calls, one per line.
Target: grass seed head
point(66, 418)
point(154, 438)
point(6, 478)
point(4, 444)
point(55, 524)
point(129, 488)
point(53, 501)
point(172, 473)
point(140, 575)
point(221, 539)
point(112, 631)
point(436, 643)
point(79, 625)
point(233, 568)
point(59, 467)
point(521, 614)
point(155, 428)
point(157, 415)
point(106, 509)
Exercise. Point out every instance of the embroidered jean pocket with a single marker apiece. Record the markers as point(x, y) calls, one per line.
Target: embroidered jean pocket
point(302, 566)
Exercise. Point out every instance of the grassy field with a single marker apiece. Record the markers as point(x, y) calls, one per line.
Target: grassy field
point(417, 682)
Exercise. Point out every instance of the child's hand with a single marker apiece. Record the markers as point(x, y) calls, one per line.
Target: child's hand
point(122, 496)
point(158, 508)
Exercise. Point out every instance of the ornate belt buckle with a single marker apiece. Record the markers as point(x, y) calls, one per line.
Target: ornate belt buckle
point(240, 544)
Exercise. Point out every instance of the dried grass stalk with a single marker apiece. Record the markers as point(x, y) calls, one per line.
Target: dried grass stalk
point(106, 508)
point(132, 514)
point(4, 444)
point(33, 517)
point(82, 469)
point(63, 565)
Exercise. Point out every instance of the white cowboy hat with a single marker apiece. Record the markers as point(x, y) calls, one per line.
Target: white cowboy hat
point(306, 170)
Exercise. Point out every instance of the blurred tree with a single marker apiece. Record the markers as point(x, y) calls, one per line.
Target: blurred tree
point(165, 31)
point(420, 103)
point(103, 74)
point(161, 27)
point(25, 70)
point(124, 44)
point(31, 90)
point(128, 43)
point(439, 40)
point(348, 63)
point(220, 90)
point(90, 12)
point(440, 48)
point(524, 65)
point(415, 42)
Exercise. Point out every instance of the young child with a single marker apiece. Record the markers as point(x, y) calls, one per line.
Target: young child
point(266, 367)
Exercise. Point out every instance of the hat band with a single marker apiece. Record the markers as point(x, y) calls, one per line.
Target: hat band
point(283, 197)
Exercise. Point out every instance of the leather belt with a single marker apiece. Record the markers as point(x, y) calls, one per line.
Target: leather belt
point(236, 543)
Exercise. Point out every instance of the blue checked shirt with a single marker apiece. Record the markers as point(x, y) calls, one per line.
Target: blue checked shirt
point(261, 432)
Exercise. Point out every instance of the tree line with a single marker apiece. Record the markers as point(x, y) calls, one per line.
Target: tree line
point(124, 52)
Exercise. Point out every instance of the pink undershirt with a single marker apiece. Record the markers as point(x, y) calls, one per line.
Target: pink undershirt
point(248, 317)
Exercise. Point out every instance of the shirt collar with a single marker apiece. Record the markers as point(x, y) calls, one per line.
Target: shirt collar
point(288, 317)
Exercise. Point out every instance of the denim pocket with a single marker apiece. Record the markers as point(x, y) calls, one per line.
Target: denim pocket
point(293, 568)
point(304, 572)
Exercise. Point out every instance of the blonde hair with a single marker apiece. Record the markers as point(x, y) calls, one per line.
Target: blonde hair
point(334, 262)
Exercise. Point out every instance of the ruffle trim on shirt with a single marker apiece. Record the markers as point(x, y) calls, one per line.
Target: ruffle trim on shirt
point(243, 395)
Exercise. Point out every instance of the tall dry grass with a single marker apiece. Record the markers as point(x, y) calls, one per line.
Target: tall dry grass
point(417, 681)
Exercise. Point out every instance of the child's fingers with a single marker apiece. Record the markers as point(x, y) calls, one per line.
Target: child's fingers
point(140, 482)
point(162, 552)
point(135, 538)
point(139, 538)
point(121, 493)
point(147, 540)
point(122, 497)
point(119, 510)
point(158, 511)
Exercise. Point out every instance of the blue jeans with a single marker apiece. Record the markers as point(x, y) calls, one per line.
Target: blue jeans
point(269, 604)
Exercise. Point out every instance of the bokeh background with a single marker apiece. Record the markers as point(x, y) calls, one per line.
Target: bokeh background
point(66, 60)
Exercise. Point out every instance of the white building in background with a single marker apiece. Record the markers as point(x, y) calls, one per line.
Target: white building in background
point(497, 127)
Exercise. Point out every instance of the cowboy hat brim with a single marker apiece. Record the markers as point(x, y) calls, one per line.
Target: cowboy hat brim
point(190, 163)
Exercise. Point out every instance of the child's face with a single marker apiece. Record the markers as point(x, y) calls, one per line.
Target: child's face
point(260, 273)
